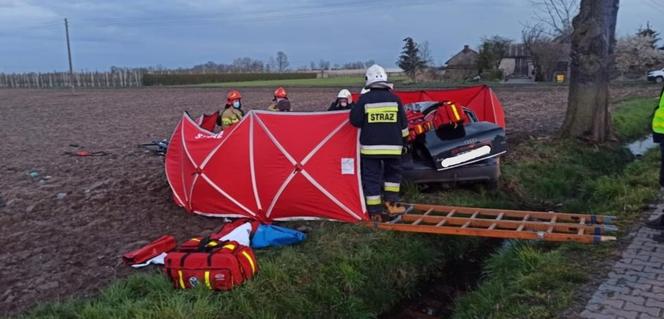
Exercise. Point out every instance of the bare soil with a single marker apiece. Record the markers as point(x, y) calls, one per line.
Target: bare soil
point(65, 220)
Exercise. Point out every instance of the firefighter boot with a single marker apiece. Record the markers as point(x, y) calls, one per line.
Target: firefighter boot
point(376, 217)
point(394, 209)
point(384, 217)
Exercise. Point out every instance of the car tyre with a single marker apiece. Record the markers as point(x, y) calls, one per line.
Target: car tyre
point(659, 79)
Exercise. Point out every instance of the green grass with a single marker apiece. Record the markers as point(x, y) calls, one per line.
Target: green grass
point(351, 82)
point(342, 270)
point(539, 280)
point(628, 119)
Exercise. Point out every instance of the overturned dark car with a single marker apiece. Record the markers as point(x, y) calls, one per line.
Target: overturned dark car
point(467, 151)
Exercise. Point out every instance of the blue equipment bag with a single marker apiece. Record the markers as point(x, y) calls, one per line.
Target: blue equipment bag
point(271, 235)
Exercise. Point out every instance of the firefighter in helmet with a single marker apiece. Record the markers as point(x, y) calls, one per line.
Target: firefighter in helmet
point(280, 102)
point(344, 101)
point(382, 120)
point(232, 110)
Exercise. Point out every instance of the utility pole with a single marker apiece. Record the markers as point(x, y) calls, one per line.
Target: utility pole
point(71, 68)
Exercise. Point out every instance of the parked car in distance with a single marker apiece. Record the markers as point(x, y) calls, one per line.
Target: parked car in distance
point(656, 76)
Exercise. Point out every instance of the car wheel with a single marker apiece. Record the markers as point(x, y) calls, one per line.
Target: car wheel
point(659, 79)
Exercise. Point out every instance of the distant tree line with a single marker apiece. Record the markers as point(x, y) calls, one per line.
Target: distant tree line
point(155, 79)
point(117, 78)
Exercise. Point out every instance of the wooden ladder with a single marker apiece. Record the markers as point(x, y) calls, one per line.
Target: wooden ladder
point(501, 223)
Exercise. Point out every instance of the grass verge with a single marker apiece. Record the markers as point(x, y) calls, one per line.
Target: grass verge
point(342, 270)
point(631, 120)
point(539, 280)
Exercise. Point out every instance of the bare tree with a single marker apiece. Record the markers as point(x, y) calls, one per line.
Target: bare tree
point(545, 51)
point(353, 65)
point(282, 61)
point(324, 65)
point(271, 65)
point(593, 42)
point(247, 64)
point(556, 15)
point(425, 53)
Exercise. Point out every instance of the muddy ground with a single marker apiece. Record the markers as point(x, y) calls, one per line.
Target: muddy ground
point(65, 221)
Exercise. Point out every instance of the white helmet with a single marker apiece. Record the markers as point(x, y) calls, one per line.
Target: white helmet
point(345, 94)
point(375, 73)
point(364, 90)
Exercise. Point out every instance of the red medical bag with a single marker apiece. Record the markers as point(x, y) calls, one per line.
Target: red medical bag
point(220, 267)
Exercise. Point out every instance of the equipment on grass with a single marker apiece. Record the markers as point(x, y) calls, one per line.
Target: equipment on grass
point(239, 230)
point(275, 236)
point(501, 223)
point(221, 266)
point(161, 245)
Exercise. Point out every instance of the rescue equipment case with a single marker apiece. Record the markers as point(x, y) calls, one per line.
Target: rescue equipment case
point(222, 266)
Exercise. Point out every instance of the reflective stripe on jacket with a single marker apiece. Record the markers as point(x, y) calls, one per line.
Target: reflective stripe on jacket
point(380, 116)
point(230, 116)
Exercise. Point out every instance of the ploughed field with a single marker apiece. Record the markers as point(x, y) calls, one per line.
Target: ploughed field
point(65, 221)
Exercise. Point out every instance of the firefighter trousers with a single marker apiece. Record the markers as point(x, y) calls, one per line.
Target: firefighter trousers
point(380, 176)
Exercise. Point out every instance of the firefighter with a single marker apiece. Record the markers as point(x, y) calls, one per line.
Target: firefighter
point(232, 110)
point(658, 137)
point(382, 120)
point(344, 101)
point(280, 102)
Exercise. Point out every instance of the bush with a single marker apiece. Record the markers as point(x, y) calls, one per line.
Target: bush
point(151, 79)
point(492, 75)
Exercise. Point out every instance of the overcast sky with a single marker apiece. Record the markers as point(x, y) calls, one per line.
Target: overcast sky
point(182, 33)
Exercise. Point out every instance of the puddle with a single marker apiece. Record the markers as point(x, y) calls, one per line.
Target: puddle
point(640, 147)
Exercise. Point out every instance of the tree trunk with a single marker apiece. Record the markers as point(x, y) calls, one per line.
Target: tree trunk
point(591, 58)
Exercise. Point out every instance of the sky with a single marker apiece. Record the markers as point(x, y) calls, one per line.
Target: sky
point(183, 33)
